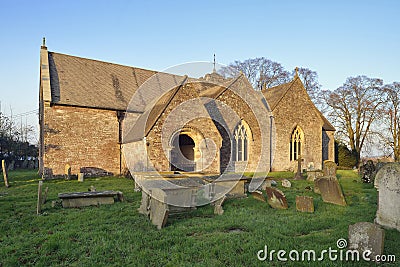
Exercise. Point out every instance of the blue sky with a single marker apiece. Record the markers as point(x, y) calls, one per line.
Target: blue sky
point(338, 39)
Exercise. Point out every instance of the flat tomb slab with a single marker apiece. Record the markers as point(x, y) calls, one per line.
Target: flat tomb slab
point(83, 199)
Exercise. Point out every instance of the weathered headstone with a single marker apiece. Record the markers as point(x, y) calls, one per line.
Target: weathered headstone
point(158, 208)
point(329, 168)
point(313, 175)
point(368, 172)
point(81, 177)
point(286, 183)
point(11, 167)
point(316, 189)
point(310, 166)
point(218, 206)
point(24, 164)
point(366, 236)
point(304, 204)
point(276, 198)
point(145, 204)
point(299, 175)
point(330, 189)
point(387, 182)
point(5, 173)
point(44, 197)
point(31, 164)
point(67, 172)
point(258, 195)
point(39, 198)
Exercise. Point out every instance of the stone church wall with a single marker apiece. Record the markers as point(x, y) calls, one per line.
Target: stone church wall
point(295, 109)
point(80, 137)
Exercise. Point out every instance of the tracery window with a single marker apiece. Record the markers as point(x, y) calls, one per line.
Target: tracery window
point(240, 142)
point(296, 143)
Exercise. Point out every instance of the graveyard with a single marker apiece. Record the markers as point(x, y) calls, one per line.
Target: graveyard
point(118, 235)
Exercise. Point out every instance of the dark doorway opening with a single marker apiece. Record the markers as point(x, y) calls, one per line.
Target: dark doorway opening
point(182, 154)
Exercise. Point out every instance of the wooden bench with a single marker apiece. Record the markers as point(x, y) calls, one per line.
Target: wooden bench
point(90, 198)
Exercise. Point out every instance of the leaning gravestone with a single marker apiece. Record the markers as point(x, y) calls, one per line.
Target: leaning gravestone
point(258, 195)
point(304, 204)
point(158, 208)
point(330, 189)
point(218, 205)
point(145, 204)
point(5, 173)
point(366, 236)
point(329, 168)
point(276, 198)
point(387, 182)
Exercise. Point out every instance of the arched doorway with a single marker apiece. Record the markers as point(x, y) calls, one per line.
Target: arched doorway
point(182, 153)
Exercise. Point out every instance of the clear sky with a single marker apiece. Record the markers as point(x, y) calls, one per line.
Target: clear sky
point(338, 39)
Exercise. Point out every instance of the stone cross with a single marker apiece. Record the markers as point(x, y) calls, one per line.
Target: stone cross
point(298, 175)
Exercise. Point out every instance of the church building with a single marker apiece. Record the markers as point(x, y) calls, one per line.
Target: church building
point(110, 117)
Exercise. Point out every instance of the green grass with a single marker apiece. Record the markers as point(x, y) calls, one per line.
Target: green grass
point(117, 235)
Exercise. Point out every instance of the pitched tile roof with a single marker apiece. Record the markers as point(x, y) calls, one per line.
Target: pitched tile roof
point(275, 94)
point(91, 83)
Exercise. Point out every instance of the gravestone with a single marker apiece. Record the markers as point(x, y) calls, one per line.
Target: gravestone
point(276, 198)
point(313, 175)
point(310, 166)
point(24, 164)
point(31, 164)
point(218, 206)
point(329, 168)
point(304, 204)
point(145, 204)
point(5, 173)
point(366, 236)
point(258, 195)
point(81, 177)
point(387, 182)
point(158, 208)
point(11, 167)
point(67, 172)
point(368, 172)
point(330, 189)
point(39, 198)
point(316, 188)
point(286, 183)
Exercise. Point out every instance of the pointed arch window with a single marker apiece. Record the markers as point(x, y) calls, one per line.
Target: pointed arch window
point(296, 143)
point(240, 142)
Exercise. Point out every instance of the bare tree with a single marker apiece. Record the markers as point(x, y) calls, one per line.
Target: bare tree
point(391, 119)
point(261, 72)
point(354, 108)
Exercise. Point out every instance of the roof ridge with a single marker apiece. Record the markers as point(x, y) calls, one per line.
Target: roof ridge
point(286, 91)
point(234, 80)
point(110, 63)
point(166, 104)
